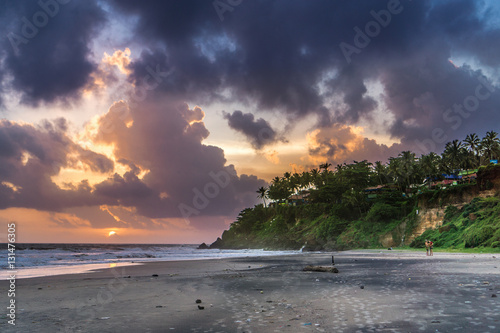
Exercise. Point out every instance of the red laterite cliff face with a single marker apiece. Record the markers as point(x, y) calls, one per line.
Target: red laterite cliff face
point(431, 210)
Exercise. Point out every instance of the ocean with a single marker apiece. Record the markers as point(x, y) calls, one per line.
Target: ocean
point(35, 260)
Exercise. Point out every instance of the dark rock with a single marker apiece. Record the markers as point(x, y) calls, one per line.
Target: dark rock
point(203, 246)
point(201, 307)
point(321, 269)
point(159, 306)
point(154, 275)
point(198, 301)
point(494, 295)
point(362, 287)
point(218, 244)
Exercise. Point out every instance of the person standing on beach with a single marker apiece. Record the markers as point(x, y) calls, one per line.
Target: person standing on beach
point(426, 247)
point(431, 246)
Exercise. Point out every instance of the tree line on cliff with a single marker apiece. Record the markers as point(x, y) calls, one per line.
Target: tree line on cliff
point(355, 204)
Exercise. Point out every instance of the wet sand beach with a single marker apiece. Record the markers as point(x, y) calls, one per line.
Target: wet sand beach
point(374, 291)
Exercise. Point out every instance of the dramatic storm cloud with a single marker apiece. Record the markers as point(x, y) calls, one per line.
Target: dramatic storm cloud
point(320, 57)
point(30, 156)
point(45, 54)
point(183, 177)
point(259, 132)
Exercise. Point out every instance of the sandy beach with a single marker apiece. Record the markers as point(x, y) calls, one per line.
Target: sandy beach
point(374, 291)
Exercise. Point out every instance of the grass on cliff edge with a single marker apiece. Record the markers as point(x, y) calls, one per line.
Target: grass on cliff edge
point(475, 228)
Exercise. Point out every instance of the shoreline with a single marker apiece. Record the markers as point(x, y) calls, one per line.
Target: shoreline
point(98, 267)
point(403, 291)
point(95, 260)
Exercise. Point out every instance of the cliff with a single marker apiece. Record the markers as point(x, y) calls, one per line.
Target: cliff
point(447, 215)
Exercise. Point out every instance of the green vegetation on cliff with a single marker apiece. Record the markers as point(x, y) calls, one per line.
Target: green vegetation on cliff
point(477, 224)
point(317, 226)
point(361, 204)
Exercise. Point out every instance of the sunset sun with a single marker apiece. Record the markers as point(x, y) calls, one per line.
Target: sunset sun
point(111, 233)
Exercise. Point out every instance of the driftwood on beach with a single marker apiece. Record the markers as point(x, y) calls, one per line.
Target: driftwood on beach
point(329, 269)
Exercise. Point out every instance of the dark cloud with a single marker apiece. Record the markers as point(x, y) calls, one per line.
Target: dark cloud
point(161, 138)
point(295, 65)
point(94, 161)
point(258, 131)
point(183, 175)
point(30, 156)
point(46, 52)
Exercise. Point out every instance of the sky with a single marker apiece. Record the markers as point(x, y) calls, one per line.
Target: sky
point(127, 121)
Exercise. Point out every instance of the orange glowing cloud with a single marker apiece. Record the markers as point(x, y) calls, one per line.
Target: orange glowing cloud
point(272, 156)
point(342, 143)
point(120, 59)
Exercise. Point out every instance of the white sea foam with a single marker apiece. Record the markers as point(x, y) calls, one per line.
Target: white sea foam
point(33, 260)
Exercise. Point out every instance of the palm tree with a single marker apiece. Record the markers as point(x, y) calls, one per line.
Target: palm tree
point(454, 154)
point(295, 182)
point(473, 144)
point(325, 166)
point(429, 166)
point(262, 194)
point(395, 171)
point(491, 145)
point(380, 170)
point(315, 177)
point(305, 180)
point(407, 166)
